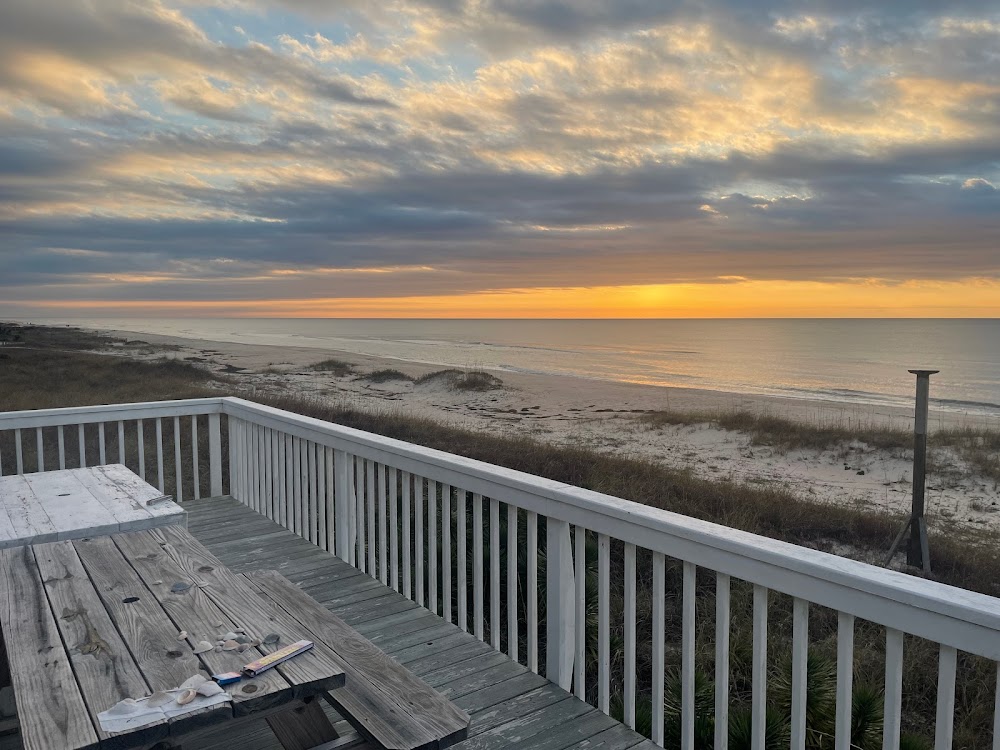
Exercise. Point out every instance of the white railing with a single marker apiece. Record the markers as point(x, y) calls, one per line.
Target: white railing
point(443, 530)
point(130, 434)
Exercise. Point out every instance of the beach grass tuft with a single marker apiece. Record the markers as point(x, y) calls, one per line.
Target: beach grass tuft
point(385, 376)
point(336, 367)
point(463, 380)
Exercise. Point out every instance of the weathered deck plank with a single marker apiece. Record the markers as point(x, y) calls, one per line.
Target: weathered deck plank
point(510, 706)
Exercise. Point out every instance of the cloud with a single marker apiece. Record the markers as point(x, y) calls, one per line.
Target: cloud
point(148, 149)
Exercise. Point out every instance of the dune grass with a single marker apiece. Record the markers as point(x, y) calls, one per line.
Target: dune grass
point(385, 376)
point(978, 446)
point(463, 380)
point(336, 367)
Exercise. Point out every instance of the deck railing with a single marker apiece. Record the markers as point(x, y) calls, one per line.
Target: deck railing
point(525, 563)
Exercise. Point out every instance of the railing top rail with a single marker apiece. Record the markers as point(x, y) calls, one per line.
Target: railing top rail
point(881, 595)
point(31, 418)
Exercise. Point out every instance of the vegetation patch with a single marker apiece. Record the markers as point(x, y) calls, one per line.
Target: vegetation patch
point(385, 376)
point(336, 367)
point(978, 446)
point(463, 380)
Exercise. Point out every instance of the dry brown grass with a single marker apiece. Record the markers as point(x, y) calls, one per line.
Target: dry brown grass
point(979, 447)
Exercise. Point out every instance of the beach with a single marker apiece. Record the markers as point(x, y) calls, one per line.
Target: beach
point(610, 417)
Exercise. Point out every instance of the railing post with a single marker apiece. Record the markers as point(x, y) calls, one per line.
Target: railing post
point(559, 604)
point(214, 455)
point(342, 499)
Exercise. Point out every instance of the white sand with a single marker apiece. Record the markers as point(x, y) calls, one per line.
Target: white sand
point(606, 416)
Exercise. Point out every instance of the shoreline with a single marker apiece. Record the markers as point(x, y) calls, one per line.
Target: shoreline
point(607, 416)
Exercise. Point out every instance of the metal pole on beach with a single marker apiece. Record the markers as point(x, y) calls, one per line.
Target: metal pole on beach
point(917, 552)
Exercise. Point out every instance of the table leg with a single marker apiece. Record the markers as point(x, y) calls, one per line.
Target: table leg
point(302, 727)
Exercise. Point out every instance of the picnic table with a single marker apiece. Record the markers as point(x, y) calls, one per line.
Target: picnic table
point(75, 503)
point(90, 622)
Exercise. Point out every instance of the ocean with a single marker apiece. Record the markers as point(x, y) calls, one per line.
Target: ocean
point(857, 361)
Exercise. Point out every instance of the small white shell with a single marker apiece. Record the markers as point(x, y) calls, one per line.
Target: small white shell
point(242, 647)
point(182, 636)
point(192, 682)
point(209, 689)
point(203, 647)
point(187, 696)
point(123, 707)
point(230, 636)
point(230, 645)
point(159, 698)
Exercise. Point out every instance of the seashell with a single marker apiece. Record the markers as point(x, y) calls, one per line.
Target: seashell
point(187, 696)
point(209, 688)
point(240, 630)
point(192, 682)
point(180, 587)
point(242, 647)
point(271, 638)
point(230, 645)
point(157, 583)
point(221, 625)
point(159, 698)
point(203, 647)
point(182, 636)
point(124, 707)
point(230, 636)
point(241, 639)
point(255, 642)
point(217, 649)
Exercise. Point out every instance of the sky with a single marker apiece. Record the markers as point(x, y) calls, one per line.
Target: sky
point(500, 158)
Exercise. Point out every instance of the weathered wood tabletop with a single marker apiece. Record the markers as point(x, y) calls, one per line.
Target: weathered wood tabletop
point(75, 503)
point(90, 622)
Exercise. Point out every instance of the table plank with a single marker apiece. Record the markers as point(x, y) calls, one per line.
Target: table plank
point(316, 671)
point(139, 490)
point(28, 520)
point(195, 613)
point(70, 506)
point(57, 718)
point(122, 505)
point(403, 700)
point(102, 664)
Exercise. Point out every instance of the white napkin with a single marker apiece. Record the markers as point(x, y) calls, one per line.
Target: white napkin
point(133, 714)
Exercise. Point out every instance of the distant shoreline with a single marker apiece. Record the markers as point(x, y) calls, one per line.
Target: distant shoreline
point(944, 412)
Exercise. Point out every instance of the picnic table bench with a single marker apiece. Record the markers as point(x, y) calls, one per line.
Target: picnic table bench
point(88, 622)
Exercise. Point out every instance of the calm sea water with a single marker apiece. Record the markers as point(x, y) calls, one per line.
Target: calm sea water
point(853, 361)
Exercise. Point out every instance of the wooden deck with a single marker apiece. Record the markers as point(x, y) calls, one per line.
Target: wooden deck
point(510, 706)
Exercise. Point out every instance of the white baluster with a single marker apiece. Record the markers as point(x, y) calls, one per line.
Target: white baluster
point(800, 672)
point(629, 604)
point(512, 630)
point(721, 661)
point(758, 699)
point(604, 622)
point(945, 719)
point(659, 643)
point(477, 565)
point(532, 593)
